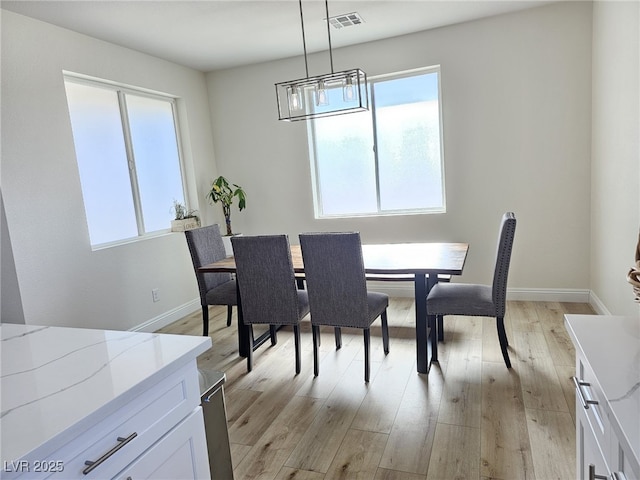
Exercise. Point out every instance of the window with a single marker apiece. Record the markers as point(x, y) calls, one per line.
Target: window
point(387, 160)
point(128, 158)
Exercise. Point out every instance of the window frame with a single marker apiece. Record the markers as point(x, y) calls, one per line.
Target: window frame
point(311, 140)
point(121, 91)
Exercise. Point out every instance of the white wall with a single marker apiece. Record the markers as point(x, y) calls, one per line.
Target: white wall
point(615, 179)
point(10, 299)
point(517, 112)
point(517, 118)
point(61, 281)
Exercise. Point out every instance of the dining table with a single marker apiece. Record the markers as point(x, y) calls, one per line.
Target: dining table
point(424, 261)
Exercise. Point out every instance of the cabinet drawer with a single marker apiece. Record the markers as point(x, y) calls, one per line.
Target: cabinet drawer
point(589, 453)
point(591, 400)
point(116, 441)
point(607, 408)
point(179, 455)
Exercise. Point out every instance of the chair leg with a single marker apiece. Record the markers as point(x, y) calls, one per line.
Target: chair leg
point(250, 352)
point(440, 319)
point(205, 320)
point(273, 333)
point(502, 336)
point(338, 334)
point(316, 340)
point(385, 332)
point(367, 341)
point(229, 313)
point(296, 338)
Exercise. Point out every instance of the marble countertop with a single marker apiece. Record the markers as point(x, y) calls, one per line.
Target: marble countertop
point(611, 346)
point(57, 381)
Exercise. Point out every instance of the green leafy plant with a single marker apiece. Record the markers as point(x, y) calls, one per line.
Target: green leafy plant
point(224, 192)
point(181, 212)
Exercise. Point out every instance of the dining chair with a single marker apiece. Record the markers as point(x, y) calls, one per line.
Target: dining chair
point(338, 296)
point(267, 285)
point(205, 246)
point(480, 300)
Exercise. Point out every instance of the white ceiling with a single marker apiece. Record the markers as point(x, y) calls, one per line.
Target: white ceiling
point(214, 34)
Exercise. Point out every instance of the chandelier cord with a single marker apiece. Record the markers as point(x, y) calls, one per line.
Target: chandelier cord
point(326, 8)
point(304, 43)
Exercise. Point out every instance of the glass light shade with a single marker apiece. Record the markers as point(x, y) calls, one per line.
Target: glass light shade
point(322, 98)
point(348, 90)
point(305, 106)
point(295, 98)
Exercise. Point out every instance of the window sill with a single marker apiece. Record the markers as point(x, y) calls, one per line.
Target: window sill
point(383, 214)
point(127, 241)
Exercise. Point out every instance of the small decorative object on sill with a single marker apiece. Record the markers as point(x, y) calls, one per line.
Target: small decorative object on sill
point(184, 219)
point(633, 277)
point(221, 191)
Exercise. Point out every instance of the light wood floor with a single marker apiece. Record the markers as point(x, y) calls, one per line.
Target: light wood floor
point(469, 418)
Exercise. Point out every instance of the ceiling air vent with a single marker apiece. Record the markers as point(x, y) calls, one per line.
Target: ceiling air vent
point(346, 20)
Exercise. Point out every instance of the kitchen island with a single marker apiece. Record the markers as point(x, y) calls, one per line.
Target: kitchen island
point(82, 403)
point(607, 382)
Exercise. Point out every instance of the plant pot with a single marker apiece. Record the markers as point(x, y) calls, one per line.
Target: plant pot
point(184, 224)
point(226, 240)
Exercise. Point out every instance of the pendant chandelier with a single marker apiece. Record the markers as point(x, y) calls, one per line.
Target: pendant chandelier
point(333, 93)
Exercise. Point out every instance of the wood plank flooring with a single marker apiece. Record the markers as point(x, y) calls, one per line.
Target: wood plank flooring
point(470, 418)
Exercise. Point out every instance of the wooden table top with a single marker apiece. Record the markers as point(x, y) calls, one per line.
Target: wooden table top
point(428, 258)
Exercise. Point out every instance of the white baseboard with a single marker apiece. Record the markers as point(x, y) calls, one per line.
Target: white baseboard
point(169, 317)
point(569, 295)
point(405, 289)
point(393, 289)
point(597, 305)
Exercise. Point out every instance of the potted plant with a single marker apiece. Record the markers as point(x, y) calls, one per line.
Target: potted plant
point(184, 219)
point(223, 192)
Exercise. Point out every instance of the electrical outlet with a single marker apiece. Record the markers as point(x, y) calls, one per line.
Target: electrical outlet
point(155, 294)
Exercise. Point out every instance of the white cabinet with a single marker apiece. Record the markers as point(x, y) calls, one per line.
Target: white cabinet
point(607, 396)
point(181, 454)
point(109, 446)
point(589, 455)
point(92, 404)
point(592, 426)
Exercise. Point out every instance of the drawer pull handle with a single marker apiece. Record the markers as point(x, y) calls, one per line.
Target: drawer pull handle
point(592, 473)
point(579, 384)
point(122, 441)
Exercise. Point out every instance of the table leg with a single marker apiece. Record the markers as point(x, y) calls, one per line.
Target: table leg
point(432, 322)
point(243, 331)
point(422, 343)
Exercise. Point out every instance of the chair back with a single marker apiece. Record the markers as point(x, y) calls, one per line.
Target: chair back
point(205, 246)
point(503, 259)
point(334, 271)
point(267, 284)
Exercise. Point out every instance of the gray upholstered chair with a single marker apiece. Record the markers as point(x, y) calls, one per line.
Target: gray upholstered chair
point(480, 300)
point(205, 246)
point(267, 284)
point(338, 296)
